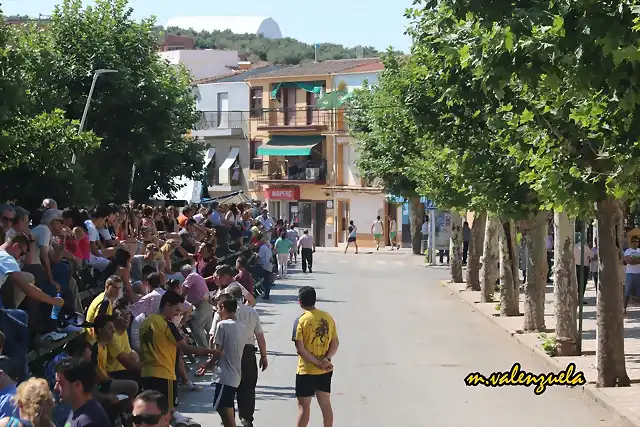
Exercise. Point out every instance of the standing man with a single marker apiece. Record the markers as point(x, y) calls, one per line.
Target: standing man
point(393, 233)
point(308, 247)
point(198, 296)
point(316, 340)
point(466, 238)
point(228, 345)
point(293, 235)
point(248, 316)
point(353, 232)
point(632, 276)
point(265, 255)
point(582, 268)
point(267, 224)
point(376, 230)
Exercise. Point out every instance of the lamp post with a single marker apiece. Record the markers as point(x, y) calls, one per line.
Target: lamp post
point(96, 74)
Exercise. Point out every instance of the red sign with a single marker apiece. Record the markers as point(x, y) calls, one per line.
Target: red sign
point(283, 193)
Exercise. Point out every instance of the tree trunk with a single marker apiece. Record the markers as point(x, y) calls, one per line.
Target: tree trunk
point(509, 280)
point(489, 271)
point(565, 285)
point(455, 248)
point(475, 251)
point(535, 289)
point(610, 324)
point(416, 218)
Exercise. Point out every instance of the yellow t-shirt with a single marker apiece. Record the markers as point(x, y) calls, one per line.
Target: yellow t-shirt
point(158, 339)
point(119, 344)
point(99, 358)
point(99, 305)
point(316, 329)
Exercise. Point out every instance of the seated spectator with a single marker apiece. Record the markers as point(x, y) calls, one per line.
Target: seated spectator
point(7, 213)
point(99, 255)
point(120, 266)
point(198, 295)
point(1, 341)
point(244, 277)
point(166, 251)
point(122, 362)
point(9, 372)
point(187, 234)
point(170, 220)
point(35, 404)
point(138, 262)
point(78, 245)
point(145, 307)
point(75, 380)
point(141, 287)
point(184, 216)
point(103, 303)
point(206, 263)
point(104, 330)
point(151, 408)
point(20, 222)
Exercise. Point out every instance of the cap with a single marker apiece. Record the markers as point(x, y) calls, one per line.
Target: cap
point(51, 215)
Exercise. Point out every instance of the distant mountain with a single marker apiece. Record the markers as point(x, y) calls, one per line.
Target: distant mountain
point(285, 51)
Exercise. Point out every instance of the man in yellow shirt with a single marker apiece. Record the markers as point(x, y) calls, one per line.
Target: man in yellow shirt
point(316, 340)
point(159, 344)
point(122, 361)
point(103, 303)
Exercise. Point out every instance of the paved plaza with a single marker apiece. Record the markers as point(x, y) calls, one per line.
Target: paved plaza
point(406, 344)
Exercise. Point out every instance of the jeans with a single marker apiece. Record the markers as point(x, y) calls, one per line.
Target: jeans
point(201, 322)
point(246, 393)
point(465, 251)
point(631, 283)
point(307, 259)
point(266, 281)
point(14, 325)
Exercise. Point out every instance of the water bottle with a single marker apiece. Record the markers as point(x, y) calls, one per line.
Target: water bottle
point(55, 311)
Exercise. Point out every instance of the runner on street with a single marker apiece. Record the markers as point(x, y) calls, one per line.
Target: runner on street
point(376, 230)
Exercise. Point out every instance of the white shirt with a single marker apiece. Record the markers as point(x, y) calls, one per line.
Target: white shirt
point(248, 316)
point(94, 234)
point(267, 223)
point(578, 256)
point(593, 266)
point(377, 227)
point(8, 265)
point(215, 294)
point(634, 253)
point(42, 235)
point(393, 226)
point(305, 242)
point(425, 228)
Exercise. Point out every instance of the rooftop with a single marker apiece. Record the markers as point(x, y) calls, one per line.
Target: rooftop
point(239, 76)
point(320, 68)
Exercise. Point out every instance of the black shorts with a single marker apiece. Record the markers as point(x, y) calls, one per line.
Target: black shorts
point(223, 396)
point(125, 375)
point(351, 239)
point(167, 387)
point(307, 385)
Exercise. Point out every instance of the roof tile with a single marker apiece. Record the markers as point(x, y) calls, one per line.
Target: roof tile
point(319, 68)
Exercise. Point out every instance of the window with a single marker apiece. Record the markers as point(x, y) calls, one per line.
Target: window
point(311, 107)
point(256, 102)
point(255, 159)
point(305, 214)
point(223, 110)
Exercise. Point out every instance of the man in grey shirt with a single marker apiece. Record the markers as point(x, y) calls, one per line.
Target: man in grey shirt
point(230, 337)
point(249, 317)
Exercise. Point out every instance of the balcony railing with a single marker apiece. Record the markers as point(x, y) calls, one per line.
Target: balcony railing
point(285, 170)
point(309, 117)
point(212, 120)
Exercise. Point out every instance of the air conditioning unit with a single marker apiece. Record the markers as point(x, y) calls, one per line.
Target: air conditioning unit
point(312, 174)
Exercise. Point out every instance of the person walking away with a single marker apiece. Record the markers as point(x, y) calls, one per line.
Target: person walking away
point(376, 230)
point(248, 316)
point(35, 405)
point(425, 230)
point(266, 266)
point(308, 247)
point(198, 296)
point(466, 238)
point(353, 230)
point(229, 339)
point(524, 256)
point(151, 408)
point(283, 248)
point(293, 235)
point(594, 264)
point(632, 276)
point(582, 268)
point(549, 245)
point(316, 341)
point(393, 233)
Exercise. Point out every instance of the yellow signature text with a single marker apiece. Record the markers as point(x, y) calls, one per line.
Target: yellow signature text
point(518, 377)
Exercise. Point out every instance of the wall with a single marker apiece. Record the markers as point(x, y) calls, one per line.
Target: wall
point(349, 174)
point(203, 63)
point(363, 209)
point(355, 80)
point(208, 96)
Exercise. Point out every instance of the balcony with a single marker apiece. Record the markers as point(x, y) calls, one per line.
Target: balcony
point(289, 170)
point(220, 124)
point(294, 119)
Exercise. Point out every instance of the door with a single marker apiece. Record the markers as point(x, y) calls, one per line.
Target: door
point(289, 105)
point(320, 223)
point(223, 110)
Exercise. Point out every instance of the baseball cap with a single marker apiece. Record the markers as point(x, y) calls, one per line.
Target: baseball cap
point(51, 215)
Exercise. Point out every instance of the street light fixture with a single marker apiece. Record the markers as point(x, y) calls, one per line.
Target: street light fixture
point(96, 74)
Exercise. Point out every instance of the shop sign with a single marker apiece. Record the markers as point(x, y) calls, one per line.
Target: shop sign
point(283, 193)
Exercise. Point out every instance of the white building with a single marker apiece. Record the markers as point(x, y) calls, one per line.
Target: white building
point(264, 26)
point(205, 63)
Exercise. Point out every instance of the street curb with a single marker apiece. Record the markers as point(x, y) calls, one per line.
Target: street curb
point(608, 403)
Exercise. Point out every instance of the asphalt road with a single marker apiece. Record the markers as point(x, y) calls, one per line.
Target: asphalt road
point(406, 346)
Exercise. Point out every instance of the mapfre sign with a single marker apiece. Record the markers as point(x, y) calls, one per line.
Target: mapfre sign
point(283, 193)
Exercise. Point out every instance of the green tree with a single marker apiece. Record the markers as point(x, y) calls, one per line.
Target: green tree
point(141, 113)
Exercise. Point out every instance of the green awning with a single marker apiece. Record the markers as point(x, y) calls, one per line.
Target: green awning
point(281, 145)
point(313, 87)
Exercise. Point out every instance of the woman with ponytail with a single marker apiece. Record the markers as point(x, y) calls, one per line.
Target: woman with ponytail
point(35, 404)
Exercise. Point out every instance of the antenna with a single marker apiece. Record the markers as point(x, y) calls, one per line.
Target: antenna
point(359, 52)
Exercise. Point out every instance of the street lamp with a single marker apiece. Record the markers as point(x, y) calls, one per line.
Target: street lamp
point(96, 74)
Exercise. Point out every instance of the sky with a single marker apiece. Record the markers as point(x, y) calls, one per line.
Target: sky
point(377, 23)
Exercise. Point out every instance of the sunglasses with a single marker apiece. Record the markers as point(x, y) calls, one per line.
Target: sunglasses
point(7, 219)
point(146, 419)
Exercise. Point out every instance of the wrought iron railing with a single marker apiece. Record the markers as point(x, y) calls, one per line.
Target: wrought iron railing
point(290, 170)
point(295, 117)
point(211, 120)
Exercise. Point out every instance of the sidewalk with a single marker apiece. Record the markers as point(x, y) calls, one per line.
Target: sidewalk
point(624, 401)
point(383, 250)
